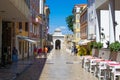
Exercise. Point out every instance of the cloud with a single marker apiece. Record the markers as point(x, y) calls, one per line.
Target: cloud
point(62, 27)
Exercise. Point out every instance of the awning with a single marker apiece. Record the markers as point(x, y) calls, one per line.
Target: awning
point(30, 40)
point(75, 41)
point(84, 42)
point(27, 39)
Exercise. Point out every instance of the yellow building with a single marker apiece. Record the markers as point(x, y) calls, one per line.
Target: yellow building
point(76, 25)
point(21, 36)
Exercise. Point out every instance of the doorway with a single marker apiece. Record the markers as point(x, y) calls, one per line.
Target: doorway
point(57, 44)
point(6, 42)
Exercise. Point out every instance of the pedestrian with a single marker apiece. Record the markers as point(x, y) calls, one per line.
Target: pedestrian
point(9, 55)
point(14, 55)
point(15, 60)
point(72, 50)
point(35, 52)
point(39, 52)
point(75, 51)
point(45, 51)
point(4, 56)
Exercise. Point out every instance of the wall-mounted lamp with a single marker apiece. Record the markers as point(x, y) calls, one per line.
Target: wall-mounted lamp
point(115, 23)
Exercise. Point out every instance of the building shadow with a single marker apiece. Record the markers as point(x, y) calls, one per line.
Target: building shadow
point(34, 71)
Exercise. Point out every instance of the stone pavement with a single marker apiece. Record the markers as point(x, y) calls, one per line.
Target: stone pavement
point(10, 72)
point(60, 65)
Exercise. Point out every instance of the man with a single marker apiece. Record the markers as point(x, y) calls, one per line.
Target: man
point(45, 51)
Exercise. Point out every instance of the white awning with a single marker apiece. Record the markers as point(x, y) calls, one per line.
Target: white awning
point(30, 40)
point(26, 38)
point(83, 42)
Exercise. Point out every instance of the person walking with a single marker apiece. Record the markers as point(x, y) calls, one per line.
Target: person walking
point(4, 57)
point(39, 52)
point(14, 55)
point(35, 52)
point(14, 60)
point(72, 50)
point(75, 51)
point(45, 51)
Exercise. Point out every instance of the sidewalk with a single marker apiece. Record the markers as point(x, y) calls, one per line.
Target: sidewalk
point(10, 72)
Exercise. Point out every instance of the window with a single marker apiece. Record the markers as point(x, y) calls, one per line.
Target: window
point(78, 25)
point(20, 25)
point(26, 26)
point(78, 10)
point(78, 35)
point(77, 16)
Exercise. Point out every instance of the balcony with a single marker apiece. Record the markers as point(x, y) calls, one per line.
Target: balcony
point(14, 10)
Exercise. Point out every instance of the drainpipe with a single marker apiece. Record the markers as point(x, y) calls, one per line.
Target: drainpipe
point(0, 39)
point(111, 5)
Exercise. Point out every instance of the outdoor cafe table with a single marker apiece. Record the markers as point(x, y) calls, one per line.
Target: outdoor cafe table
point(92, 63)
point(85, 61)
point(101, 65)
point(111, 67)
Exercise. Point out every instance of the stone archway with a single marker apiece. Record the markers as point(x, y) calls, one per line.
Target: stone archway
point(57, 44)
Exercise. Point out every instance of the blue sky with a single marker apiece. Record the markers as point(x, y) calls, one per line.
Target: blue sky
point(59, 10)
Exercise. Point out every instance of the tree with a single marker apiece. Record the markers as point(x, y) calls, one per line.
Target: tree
point(69, 21)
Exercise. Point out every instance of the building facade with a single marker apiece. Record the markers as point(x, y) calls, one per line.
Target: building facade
point(76, 12)
point(104, 30)
point(21, 24)
point(83, 24)
point(58, 39)
point(46, 25)
point(11, 13)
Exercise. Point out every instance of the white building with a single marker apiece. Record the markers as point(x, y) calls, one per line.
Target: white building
point(58, 39)
point(102, 21)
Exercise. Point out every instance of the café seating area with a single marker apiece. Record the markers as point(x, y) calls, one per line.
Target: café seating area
point(104, 65)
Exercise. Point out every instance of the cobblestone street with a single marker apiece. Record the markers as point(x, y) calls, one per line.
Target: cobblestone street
point(59, 65)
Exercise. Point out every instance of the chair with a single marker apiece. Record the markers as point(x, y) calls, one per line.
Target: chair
point(115, 72)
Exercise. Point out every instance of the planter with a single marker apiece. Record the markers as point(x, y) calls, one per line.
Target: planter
point(118, 56)
point(104, 53)
point(95, 52)
point(113, 55)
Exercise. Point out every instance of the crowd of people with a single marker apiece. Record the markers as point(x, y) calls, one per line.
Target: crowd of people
point(41, 51)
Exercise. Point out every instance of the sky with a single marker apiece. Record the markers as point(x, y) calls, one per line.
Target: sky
point(59, 10)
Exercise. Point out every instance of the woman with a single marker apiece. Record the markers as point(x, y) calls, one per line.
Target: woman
point(14, 55)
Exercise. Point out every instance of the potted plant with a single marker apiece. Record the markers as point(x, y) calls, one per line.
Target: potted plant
point(96, 46)
point(114, 48)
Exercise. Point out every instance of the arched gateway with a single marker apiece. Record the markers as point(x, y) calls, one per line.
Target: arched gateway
point(58, 39)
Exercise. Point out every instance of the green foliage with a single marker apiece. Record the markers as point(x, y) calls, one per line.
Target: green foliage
point(82, 51)
point(115, 46)
point(97, 45)
point(90, 45)
point(69, 21)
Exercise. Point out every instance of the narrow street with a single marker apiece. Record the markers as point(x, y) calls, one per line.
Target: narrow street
point(59, 65)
